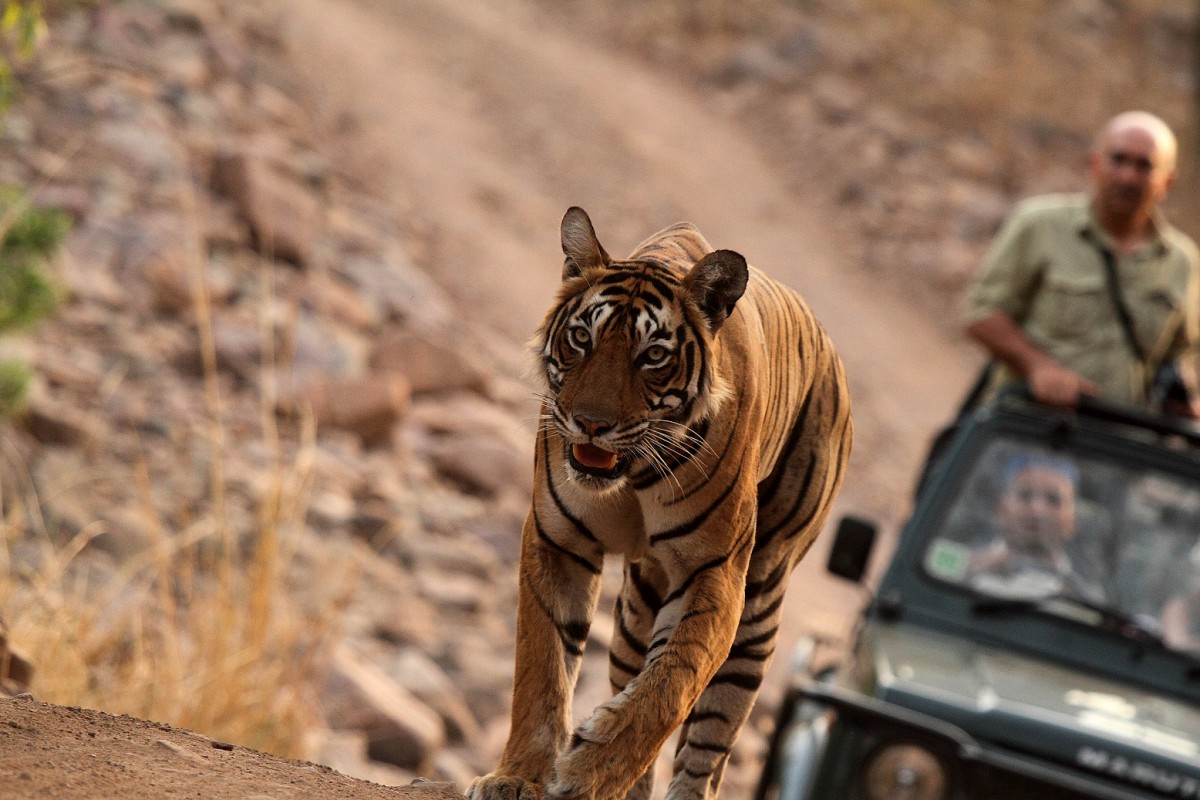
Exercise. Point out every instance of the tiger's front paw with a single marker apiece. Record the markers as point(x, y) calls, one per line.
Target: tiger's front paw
point(584, 772)
point(504, 787)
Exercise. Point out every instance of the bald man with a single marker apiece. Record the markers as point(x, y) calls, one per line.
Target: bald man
point(1063, 271)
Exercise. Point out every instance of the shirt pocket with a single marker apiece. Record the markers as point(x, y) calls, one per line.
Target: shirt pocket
point(1073, 305)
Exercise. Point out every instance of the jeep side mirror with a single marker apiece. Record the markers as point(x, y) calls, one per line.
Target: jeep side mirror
point(852, 547)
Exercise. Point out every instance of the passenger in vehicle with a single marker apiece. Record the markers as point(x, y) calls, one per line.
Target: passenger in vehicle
point(1159, 521)
point(1033, 521)
point(1181, 615)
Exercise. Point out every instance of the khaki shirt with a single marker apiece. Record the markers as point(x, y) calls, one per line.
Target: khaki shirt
point(1045, 271)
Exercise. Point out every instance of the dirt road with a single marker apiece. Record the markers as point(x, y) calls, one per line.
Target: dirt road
point(484, 125)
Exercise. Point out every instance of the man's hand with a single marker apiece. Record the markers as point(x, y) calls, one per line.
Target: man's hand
point(1049, 381)
point(1055, 385)
point(1179, 408)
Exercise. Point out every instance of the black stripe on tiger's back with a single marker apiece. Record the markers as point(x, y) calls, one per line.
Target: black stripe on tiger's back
point(771, 582)
point(789, 519)
point(616, 663)
point(766, 612)
point(770, 485)
point(680, 239)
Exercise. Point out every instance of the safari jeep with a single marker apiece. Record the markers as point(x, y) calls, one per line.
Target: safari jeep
point(956, 687)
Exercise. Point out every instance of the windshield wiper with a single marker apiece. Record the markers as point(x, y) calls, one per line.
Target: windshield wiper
point(1110, 618)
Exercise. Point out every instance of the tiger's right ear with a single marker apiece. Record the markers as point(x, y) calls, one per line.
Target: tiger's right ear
point(580, 245)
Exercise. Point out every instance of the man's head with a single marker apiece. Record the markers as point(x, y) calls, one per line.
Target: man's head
point(1037, 509)
point(1132, 165)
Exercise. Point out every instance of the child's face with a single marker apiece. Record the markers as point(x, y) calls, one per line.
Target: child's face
point(1037, 511)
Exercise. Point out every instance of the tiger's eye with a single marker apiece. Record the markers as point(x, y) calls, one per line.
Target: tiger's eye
point(655, 355)
point(580, 337)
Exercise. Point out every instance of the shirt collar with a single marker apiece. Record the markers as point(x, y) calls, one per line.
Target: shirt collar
point(1090, 228)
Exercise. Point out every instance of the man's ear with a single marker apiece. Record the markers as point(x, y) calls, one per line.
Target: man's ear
point(716, 283)
point(580, 245)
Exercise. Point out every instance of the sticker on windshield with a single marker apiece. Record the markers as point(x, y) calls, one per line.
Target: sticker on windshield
point(947, 560)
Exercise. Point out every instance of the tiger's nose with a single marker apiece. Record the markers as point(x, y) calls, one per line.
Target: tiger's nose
point(592, 426)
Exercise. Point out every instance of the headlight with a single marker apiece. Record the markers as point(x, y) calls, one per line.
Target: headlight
point(904, 772)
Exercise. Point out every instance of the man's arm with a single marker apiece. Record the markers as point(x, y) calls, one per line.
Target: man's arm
point(1049, 381)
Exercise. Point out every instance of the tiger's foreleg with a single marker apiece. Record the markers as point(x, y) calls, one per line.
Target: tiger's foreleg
point(558, 590)
point(722, 710)
point(636, 610)
point(614, 747)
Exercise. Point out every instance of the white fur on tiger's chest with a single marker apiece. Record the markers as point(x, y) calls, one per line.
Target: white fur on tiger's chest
point(614, 518)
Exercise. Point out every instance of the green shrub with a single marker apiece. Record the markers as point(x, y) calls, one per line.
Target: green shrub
point(37, 231)
point(28, 238)
point(14, 387)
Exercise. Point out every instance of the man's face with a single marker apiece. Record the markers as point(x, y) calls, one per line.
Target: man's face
point(1130, 174)
point(1037, 511)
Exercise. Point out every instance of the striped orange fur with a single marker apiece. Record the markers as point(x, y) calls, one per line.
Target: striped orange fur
point(696, 422)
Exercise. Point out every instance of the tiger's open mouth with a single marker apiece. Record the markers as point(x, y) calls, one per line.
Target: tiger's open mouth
point(592, 460)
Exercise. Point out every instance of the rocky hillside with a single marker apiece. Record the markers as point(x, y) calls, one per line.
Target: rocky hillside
point(225, 293)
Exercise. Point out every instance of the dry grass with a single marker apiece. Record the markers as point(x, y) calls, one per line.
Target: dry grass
point(199, 631)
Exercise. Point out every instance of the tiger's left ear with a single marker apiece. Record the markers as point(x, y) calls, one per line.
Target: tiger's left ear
point(580, 245)
point(716, 283)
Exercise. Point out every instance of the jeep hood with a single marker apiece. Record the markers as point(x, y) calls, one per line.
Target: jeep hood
point(1040, 709)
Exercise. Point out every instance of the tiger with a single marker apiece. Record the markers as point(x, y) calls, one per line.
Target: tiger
point(695, 420)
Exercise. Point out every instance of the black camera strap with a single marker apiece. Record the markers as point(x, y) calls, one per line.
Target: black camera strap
point(1118, 301)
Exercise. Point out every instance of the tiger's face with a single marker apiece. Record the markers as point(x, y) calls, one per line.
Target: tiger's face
point(626, 353)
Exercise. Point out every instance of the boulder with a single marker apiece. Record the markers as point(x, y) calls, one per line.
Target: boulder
point(284, 213)
point(367, 407)
point(400, 729)
point(424, 678)
point(431, 365)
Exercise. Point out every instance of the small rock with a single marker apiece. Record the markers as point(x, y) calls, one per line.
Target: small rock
point(53, 422)
point(346, 751)
point(16, 671)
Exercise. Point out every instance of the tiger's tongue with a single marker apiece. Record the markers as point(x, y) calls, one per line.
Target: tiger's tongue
point(591, 456)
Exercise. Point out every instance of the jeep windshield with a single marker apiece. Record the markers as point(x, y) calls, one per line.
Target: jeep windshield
point(1105, 541)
